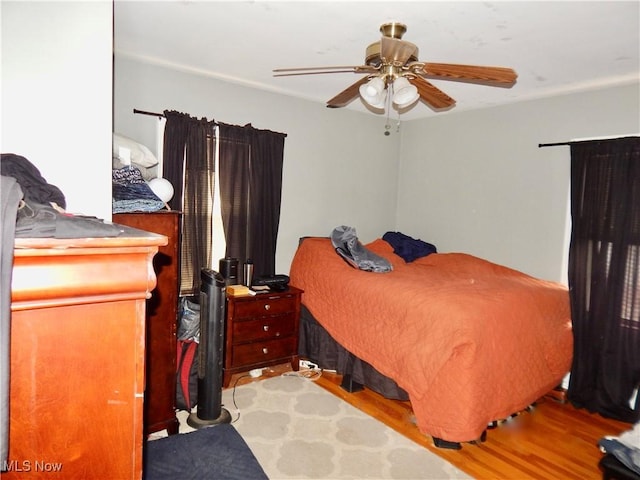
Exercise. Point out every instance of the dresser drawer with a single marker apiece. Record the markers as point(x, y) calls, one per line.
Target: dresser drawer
point(259, 352)
point(263, 328)
point(265, 306)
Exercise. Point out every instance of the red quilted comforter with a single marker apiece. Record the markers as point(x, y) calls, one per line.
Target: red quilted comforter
point(470, 341)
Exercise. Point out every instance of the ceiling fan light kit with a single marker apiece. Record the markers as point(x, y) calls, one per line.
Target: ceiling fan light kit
point(404, 94)
point(373, 92)
point(392, 71)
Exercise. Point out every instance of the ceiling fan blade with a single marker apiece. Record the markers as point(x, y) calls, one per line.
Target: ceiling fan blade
point(431, 94)
point(347, 95)
point(470, 73)
point(393, 50)
point(284, 72)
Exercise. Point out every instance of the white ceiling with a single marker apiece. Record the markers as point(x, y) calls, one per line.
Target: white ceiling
point(555, 47)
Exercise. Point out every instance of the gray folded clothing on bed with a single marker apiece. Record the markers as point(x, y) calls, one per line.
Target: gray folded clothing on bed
point(347, 245)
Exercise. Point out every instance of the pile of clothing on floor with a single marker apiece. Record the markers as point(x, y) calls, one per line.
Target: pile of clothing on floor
point(625, 447)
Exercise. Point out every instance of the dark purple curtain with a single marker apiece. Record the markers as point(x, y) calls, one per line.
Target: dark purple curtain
point(176, 130)
point(189, 164)
point(604, 276)
point(251, 162)
point(234, 159)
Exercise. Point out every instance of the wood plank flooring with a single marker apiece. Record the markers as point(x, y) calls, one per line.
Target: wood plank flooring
point(552, 441)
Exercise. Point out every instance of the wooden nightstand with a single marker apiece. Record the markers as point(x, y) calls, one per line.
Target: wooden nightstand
point(261, 330)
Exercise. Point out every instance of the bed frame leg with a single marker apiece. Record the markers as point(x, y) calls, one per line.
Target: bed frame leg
point(350, 385)
point(482, 439)
point(440, 443)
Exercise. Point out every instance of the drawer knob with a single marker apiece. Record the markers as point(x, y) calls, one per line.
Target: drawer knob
point(265, 328)
point(267, 306)
point(265, 350)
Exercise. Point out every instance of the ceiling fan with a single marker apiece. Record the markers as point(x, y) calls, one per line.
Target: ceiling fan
point(393, 74)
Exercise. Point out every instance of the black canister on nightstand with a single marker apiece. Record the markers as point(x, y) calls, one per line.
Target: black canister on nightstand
point(229, 270)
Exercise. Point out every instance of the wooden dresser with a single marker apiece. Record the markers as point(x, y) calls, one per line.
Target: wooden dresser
point(261, 330)
point(77, 356)
point(162, 319)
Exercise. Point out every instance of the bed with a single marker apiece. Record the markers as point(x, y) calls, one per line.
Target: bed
point(467, 341)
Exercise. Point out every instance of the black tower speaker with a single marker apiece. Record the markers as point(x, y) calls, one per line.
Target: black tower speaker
point(210, 352)
point(229, 270)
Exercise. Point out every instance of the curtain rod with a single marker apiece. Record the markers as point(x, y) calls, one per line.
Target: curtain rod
point(154, 114)
point(161, 115)
point(540, 145)
point(573, 142)
point(142, 112)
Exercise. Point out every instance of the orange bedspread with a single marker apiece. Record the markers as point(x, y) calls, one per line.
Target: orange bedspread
point(470, 341)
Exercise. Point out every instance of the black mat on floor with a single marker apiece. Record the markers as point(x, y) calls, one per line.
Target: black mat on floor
point(217, 452)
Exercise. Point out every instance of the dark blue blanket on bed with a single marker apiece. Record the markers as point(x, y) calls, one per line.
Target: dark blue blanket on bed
point(408, 248)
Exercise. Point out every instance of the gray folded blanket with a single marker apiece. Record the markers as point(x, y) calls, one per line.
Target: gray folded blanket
point(347, 245)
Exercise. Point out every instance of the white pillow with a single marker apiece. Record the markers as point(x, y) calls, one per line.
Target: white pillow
point(139, 154)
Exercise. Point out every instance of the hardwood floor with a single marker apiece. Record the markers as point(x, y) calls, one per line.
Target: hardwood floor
point(552, 441)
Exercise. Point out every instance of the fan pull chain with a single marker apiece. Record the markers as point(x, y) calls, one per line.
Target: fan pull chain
point(387, 125)
point(388, 108)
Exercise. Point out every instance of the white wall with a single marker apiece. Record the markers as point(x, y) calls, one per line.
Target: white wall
point(468, 181)
point(477, 182)
point(56, 96)
point(471, 181)
point(339, 168)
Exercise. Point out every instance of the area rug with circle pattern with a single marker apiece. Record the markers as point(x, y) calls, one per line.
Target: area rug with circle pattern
point(297, 429)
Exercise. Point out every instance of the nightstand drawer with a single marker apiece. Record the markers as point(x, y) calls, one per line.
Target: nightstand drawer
point(253, 353)
point(262, 328)
point(265, 306)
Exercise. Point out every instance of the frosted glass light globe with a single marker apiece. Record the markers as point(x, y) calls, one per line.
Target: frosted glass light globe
point(373, 92)
point(162, 188)
point(405, 93)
